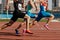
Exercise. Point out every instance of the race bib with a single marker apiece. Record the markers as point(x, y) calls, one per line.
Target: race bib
point(19, 6)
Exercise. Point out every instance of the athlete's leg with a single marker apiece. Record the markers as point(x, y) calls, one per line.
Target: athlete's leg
point(27, 18)
point(50, 17)
point(6, 25)
point(27, 24)
point(12, 20)
point(32, 15)
point(36, 20)
point(49, 20)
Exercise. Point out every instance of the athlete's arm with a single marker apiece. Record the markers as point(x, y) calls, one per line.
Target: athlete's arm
point(45, 4)
point(23, 4)
point(36, 4)
point(7, 1)
point(32, 4)
point(7, 5)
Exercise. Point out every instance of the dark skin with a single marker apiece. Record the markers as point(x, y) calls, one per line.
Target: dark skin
point(10, 22)
point(7, 4)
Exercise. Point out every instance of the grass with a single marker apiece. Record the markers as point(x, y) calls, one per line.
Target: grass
point(7, 20)
point(19, 20)
point(43, 20)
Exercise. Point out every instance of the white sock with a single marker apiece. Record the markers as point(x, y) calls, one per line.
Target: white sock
point(46, 24)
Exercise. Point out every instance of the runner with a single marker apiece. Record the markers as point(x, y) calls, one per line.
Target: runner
point(18, 4)
point(29, 6)
point(43, 13)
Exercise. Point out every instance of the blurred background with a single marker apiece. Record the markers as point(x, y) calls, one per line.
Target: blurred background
point(53, 7)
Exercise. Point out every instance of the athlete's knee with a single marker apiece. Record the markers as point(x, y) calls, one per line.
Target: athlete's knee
point(52, 16)
point(38, 19)
point(27, 16)
point(10, 23)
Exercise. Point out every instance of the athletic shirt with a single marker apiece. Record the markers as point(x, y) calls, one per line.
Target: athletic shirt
point(18, 5)
point(29, 7)
point(42, 8)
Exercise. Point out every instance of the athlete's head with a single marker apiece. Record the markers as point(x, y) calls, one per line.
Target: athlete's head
point(43, 3)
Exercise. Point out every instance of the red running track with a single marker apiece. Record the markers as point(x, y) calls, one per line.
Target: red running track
point(40, 33)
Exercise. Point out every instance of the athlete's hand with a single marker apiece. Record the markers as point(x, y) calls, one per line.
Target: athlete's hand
point(6, 7)
point(36, 9)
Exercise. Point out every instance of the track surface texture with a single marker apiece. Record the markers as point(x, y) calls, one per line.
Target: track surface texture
point(40, 32)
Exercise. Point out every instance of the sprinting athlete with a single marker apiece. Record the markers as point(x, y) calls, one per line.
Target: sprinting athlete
point(31, 4)
point(18, 4)
point(43, 13)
